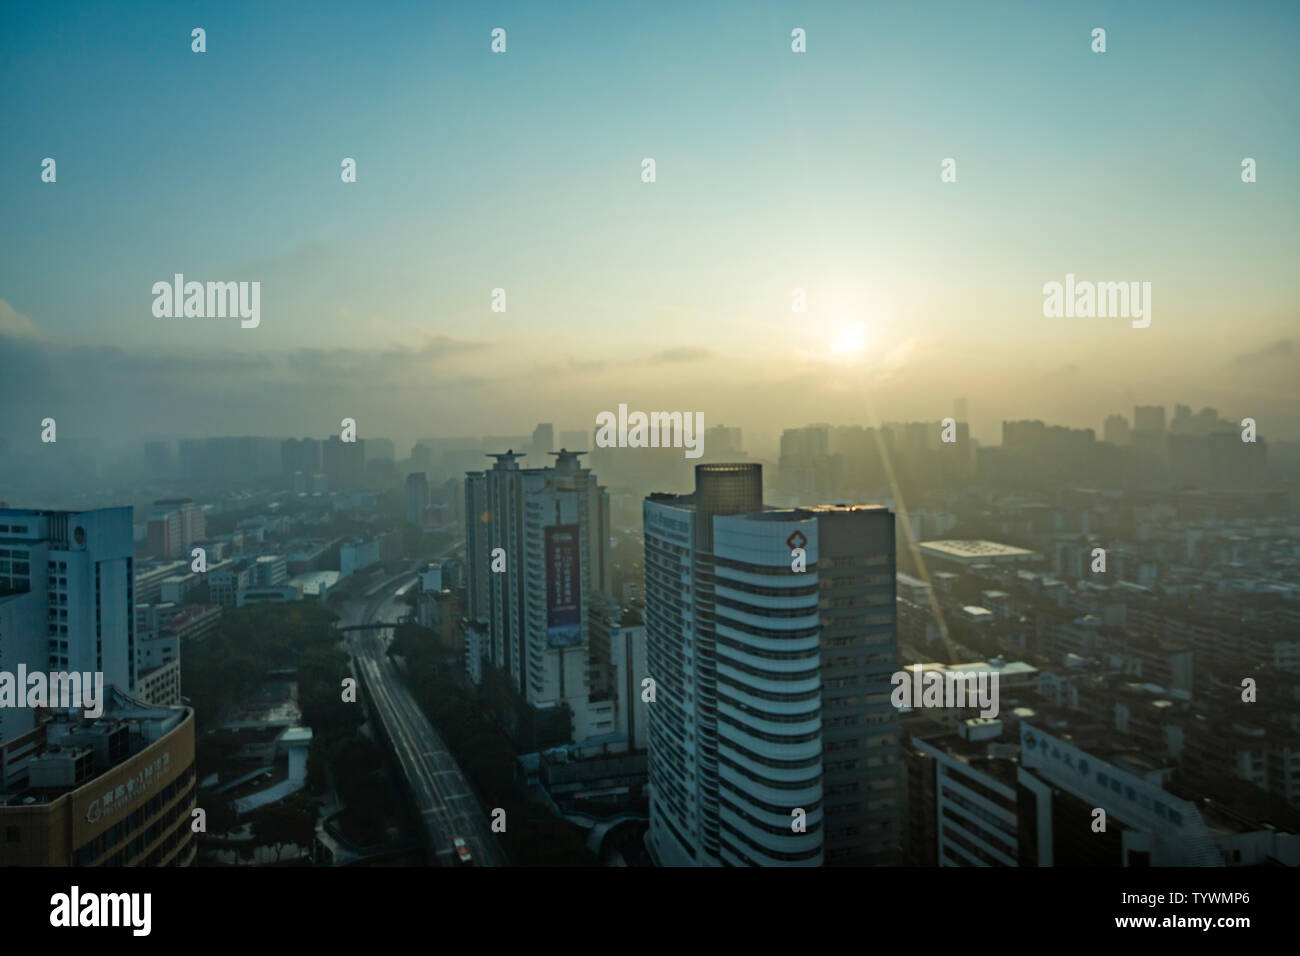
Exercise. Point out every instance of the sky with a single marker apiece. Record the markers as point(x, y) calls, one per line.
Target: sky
point(775, 170)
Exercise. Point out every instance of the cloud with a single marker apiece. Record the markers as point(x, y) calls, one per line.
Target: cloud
point(1281, 349)
point(115, 391)
point(17, 326)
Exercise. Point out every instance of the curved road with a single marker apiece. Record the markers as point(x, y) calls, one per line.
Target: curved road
point(448, 807)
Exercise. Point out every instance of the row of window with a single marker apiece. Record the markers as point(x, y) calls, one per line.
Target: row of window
point(778, 830)
point(801, 654)
point(766, 851)
point(116, 833)
point(754, 732)
point(762, 760)
point(758, 611)
point(806, 674)
point(801, 590)
point(744, 771)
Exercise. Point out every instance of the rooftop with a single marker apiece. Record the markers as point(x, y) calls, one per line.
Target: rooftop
point(972, 549)
point(70, 735)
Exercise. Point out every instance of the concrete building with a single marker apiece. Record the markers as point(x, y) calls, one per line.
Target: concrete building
point(150, 574)
point(226, 581)
point(732, 634)
point(965, 553)
point(551, 526)
point(617, 666)
point(270, 570)
point(115, 791)
point(66, 598)
point(344, 462)
point(417, 498)
point(1116, 430)
point(735, 743)
point(543, 441)
point(478, 517)
point(862, 780)
point(175, 525)
point(773, 679)
point(160, 686)
point(970, 801)
point(300, 455)
point(193, 622)
point(267, 594)
point(357, 555)
point(1149, 418)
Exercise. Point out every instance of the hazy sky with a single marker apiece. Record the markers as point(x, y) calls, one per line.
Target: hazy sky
point(775, 170)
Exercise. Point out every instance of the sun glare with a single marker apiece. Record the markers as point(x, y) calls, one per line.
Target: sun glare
point(849, 342)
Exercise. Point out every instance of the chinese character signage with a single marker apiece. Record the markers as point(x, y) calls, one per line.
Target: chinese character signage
point(115, 800)
point(1125, 794)
point(563, 586)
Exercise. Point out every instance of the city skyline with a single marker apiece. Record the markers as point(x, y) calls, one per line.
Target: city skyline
point(609, 437)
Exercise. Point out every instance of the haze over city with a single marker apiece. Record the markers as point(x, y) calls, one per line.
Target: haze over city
point(623, 437)
point(818, 172)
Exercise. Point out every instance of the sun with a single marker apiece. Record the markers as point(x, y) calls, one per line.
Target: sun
point(850, 342)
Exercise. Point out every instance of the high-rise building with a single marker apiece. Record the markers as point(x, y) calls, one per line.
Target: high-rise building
point(551, 526)
point(1115, 430)
point(226, 458)
point(772, 670)
point(723, 441)
point(477, 521)
point(344, 462)
point(174, 525)
point(421, 457)
point(1149, 418)
point(300, 454)
point(1149, 435)
point(862, 780)
point(417, 497)
point(66, 598)
point(732, 645)
point(543, 442)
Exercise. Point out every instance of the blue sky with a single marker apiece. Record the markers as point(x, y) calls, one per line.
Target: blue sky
point(775, 170)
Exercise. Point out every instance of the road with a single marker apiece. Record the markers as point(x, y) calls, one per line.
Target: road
point(448, 807)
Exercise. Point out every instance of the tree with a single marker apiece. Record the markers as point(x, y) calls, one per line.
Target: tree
point(291, 822)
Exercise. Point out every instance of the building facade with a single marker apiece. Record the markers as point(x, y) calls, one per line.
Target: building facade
point(66, 598)
point(116, 791)
point(546, 532)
